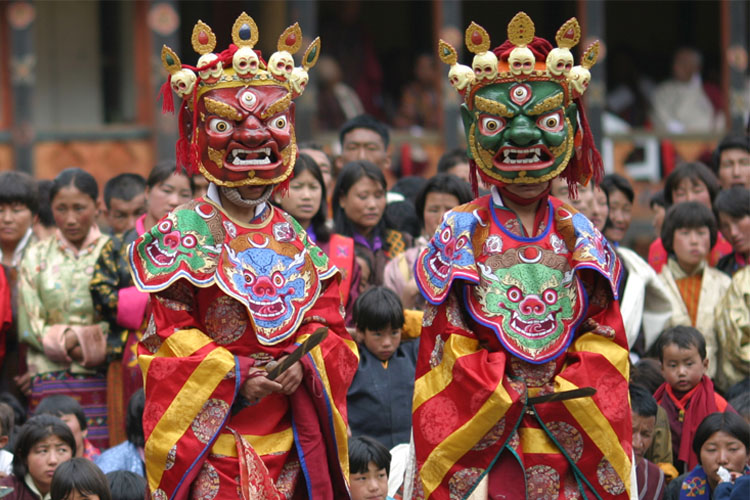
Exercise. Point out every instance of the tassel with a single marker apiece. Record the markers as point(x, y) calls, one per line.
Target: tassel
point(473, 178)
point(167, 100)
point(592, 160)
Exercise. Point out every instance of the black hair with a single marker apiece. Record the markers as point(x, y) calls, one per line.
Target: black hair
point(616, 182)
point(683, 337)
point(657, 199)
point(451, 159)
point(743, 386)
point(34, 430)
point(641, 401)
point(368, 122)
point(19, 187)
point(305, 163)
point(741, 403)
point(7, 419)
point(687, 215)
point(363, 450)
point(126, 485)
point(377, 308)
point(81, 475)
point(46, 218)
point(134, 419)
point(734, 201)
point(402, 216)
point(442, 183)
point(123, 187)
point(79, 179)
point(732, 141)
point(59, 405)
point(728, 422)
point(163, 171)
point(695, 171)
point(349, 175)
point(409, 187)
point(647, 373)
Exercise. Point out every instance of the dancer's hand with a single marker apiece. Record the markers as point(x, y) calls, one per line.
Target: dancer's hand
point(291, 378)
point(258, 386)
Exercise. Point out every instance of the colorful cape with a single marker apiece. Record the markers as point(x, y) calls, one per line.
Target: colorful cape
point(513, 317)
point(226, 297)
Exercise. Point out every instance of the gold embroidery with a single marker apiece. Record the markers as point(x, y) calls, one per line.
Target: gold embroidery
point(222, 109)
point(493, 107)
point(547, 104)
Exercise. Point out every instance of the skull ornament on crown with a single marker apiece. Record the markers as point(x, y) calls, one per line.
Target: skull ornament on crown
point(237, 115)
point(522, 110)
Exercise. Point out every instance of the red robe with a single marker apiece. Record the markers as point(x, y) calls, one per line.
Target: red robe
point(226, 297)
point(470, 414)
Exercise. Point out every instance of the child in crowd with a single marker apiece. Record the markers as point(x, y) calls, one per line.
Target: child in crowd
point(369, 466)
point(694, 288)
point(70, 412)
point(650, 478)
point(43, 443)
point(79, 479)
point(380, 396)
point(126, 485)
point(124, 201)
point(128, 455)
point(687, 394)
point(6, 427)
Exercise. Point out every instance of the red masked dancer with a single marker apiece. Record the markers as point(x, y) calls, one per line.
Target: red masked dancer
point(236, 285)
point(523, 294)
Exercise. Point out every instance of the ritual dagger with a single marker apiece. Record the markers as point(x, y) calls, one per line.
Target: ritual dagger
point(275, 369)
point(563, 396)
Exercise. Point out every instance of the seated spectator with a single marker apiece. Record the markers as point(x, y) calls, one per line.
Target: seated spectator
point(124, 201)
point(79, 479)
point(644, 301)
point(44, 442)
point(306, 202)
point(365, 138)
point(690, 182)
point(369, 467)
point(380, 396)
point(337, 101)
point(19, 205)
point(128, 455)
point(6, 429)
point(732, 322)
point(722, 441)
point(731, 161)
point(681, 105)
point(732, 209)
point(125, 485)
point(687, 394)
point(694, 288)
point(650, 478)
point(359, 205)
point(70, 412)
point(440, 194)
point(455, 162)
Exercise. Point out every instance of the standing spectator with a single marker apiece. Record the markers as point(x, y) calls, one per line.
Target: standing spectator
point(455, 162)
point(128, 455)
point(19, 204)
point(365, 138)
point(733, 330)
point(650, 479)
point(44, 226)
point(66, 339)
point(644, 300)
point(731, 161)
point(419, 98)
point(690, 182)
point(681, 105)
point(658, 206)
point(324, 163)
point(125, 201)
point(359, 202)
point(695, 288)
point(732, 209)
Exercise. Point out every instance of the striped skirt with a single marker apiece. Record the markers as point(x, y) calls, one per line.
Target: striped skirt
point(89, 390)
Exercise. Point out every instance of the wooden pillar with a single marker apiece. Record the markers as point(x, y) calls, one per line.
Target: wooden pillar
point(734, 60)
point(591, 16)
point(447, 17)
point(305, 12)
point(163, 23)
point(20, 15)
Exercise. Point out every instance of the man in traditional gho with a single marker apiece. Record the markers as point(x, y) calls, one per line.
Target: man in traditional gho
point(236, 286)
point(523, 294)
